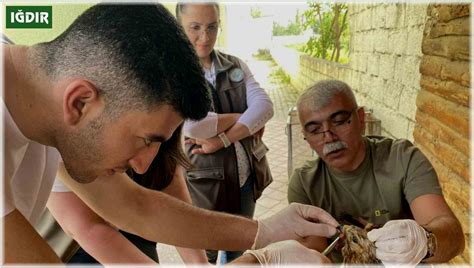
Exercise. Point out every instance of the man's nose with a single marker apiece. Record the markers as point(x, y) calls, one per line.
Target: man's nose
point(329, 136)
point(142, 161)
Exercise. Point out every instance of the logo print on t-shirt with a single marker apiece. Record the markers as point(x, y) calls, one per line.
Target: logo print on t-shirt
point(379, 212)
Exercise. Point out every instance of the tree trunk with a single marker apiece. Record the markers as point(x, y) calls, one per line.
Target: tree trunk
point(338, 38)
point(336, 29)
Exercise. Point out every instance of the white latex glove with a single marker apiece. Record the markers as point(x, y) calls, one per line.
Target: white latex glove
point(294, 222)
point(287, 252)
point(399, 242)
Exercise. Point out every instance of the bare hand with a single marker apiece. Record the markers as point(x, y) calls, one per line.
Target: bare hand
point(208, 146)
point(259, 134)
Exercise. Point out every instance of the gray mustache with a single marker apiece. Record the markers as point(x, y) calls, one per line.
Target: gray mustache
point(333, 146)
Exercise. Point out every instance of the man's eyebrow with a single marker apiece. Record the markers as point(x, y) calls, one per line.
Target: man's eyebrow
point(311, 123)
point(338, 113)
point(156, 138)
point(315, 122)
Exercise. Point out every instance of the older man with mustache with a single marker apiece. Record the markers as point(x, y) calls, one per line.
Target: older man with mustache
point(375, 179)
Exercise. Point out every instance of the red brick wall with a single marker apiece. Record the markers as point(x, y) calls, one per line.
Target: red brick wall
point(442, 117)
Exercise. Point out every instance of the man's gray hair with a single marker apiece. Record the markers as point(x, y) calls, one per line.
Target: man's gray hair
point(320, 94)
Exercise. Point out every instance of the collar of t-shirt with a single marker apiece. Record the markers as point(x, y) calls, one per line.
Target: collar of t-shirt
point(361, 169)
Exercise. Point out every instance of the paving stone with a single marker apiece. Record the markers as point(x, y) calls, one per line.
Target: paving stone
point(278, 185)
point(267, 191)
point(268, 202)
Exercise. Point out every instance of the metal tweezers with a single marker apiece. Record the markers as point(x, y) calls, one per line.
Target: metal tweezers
point(333, 244)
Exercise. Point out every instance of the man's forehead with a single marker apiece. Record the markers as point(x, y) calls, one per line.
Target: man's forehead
point(322, 113)
point(338, 102)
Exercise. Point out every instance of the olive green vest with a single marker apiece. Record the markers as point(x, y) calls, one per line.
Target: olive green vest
point(213, 181)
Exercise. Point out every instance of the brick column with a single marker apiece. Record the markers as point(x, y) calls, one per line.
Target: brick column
point(443, 107)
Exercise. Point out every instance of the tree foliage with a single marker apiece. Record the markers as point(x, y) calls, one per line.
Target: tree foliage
point(330, 30)
point(292, 28)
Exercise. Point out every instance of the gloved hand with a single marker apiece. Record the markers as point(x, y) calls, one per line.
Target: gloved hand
point(399, 242)
point(287, 252)
point(294, 222)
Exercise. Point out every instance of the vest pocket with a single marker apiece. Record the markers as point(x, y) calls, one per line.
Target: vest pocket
point(208, 173)
point(259, 150)
point(205, 186)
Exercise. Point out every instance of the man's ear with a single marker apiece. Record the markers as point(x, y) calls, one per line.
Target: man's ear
point(80, 99)
point(361, 116)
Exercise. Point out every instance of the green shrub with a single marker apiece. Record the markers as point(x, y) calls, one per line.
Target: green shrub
point(293, 28)
point(330, 40)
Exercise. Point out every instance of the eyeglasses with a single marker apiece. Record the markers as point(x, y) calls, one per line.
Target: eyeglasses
point(338, 123)
point(198, 30)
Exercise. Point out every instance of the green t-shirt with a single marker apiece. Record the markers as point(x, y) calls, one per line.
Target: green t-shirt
point(392, 175)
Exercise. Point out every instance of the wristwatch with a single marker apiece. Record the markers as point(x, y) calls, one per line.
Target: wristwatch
point(431, 244)
point(225, 140)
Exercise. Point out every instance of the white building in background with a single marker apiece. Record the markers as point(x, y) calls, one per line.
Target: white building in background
point(245, 35)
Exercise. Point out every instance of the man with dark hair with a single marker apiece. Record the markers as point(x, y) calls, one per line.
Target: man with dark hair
point(106, 93)
point(129, 68)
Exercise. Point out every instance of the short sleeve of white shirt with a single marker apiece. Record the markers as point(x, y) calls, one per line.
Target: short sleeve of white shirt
point(29, 171)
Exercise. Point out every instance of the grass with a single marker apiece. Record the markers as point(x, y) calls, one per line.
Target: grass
point(343, 57)
point(278, 73)
point(281, 75)
point(298, 46)
point(263, 54)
